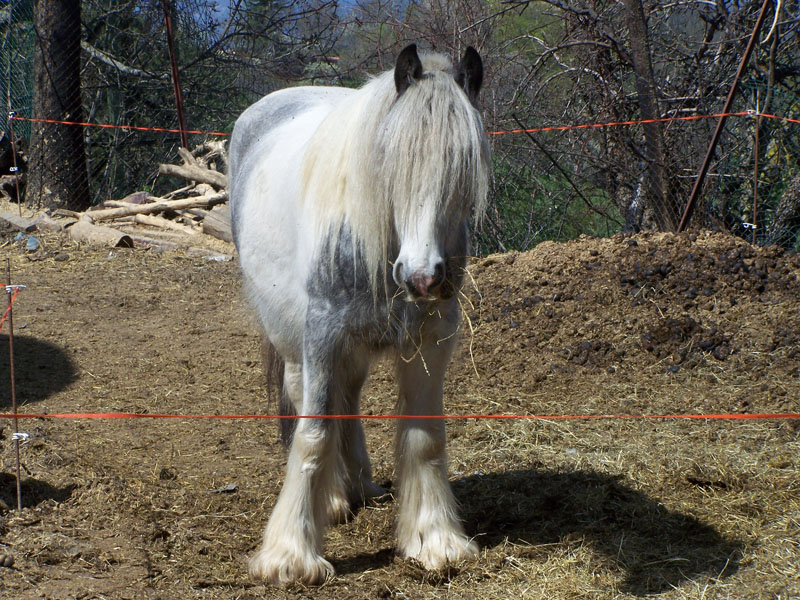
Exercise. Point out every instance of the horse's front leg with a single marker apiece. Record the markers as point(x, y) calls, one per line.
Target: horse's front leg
point(428, 528)
point(291, 550)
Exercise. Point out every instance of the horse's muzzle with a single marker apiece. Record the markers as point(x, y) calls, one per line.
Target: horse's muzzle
point(421, 284)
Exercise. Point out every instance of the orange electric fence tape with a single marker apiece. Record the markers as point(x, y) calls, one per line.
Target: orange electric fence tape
point(125, 127)
point(718, 417)
point(748, 113)
point(13, 290)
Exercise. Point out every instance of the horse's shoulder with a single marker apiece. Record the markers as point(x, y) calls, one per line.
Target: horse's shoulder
point(282, 107)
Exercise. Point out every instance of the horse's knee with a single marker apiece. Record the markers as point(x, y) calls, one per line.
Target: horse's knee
point(423, 443)
point(313, 444)
point(293, 384)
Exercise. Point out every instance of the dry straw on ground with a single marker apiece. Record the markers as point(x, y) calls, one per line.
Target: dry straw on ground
point(652, 323)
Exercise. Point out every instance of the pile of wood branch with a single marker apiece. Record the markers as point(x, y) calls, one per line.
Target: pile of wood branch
point(141, 218)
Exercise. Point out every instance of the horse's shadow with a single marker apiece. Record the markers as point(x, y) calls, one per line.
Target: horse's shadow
point(40, 370)
point(653, 547)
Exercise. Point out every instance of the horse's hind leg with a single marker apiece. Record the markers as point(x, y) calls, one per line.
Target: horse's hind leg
point(352, 476)
point(361, 487)
point(356, 473)
point(291, 399)
point(428, 528)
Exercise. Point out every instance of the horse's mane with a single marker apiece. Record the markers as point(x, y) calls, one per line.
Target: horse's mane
point(377, 157)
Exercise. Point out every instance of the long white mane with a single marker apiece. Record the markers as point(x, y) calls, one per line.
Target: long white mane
point(378, 160)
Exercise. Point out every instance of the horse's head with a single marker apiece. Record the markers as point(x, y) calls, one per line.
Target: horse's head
point(437, 170)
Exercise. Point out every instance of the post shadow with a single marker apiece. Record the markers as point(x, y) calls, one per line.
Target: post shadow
point(654, 547)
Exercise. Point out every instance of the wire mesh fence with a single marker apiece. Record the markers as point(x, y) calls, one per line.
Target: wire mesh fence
point(16, 58)
point(545, 66)
point(536, 198)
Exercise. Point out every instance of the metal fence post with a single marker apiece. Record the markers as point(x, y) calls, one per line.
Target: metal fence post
point(176, 82)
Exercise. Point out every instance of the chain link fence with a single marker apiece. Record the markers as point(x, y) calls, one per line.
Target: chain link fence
point(16, 58)
point(541, 71)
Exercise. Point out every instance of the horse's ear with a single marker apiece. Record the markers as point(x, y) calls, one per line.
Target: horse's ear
point(407, 69)
point(469, 73)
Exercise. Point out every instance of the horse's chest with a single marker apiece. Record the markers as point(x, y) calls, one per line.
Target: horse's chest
point(359, 321)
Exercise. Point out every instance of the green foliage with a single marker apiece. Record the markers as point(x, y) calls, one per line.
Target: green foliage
point(529, 207)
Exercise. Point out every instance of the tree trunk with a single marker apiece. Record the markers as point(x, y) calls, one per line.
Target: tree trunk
point(659, 198)
point(58, 174)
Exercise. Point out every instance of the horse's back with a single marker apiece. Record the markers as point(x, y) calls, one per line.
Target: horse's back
point(254, 126)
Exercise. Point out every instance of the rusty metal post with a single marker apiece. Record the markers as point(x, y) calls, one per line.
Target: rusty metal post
point(176, 82)
point(16, 438)
point(756, 144)
point(701, 176)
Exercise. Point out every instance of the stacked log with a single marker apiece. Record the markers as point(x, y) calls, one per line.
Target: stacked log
point(172, 220)
point(142, 218)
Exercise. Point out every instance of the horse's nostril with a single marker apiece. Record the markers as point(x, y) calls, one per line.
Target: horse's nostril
point(411, 287)
point(422, 282)
point(438, 275)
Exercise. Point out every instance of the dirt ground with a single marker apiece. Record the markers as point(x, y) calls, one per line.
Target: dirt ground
point(610, 508)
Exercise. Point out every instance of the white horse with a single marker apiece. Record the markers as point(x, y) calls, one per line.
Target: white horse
point(350, 214)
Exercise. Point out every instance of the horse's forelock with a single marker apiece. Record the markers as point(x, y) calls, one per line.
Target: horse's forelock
point(432, 149)
point(379, 157)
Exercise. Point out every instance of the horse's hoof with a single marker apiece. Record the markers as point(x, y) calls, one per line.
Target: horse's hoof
point(371, 490)
point(438, 549)
point(339, 508)
point(282, 568)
